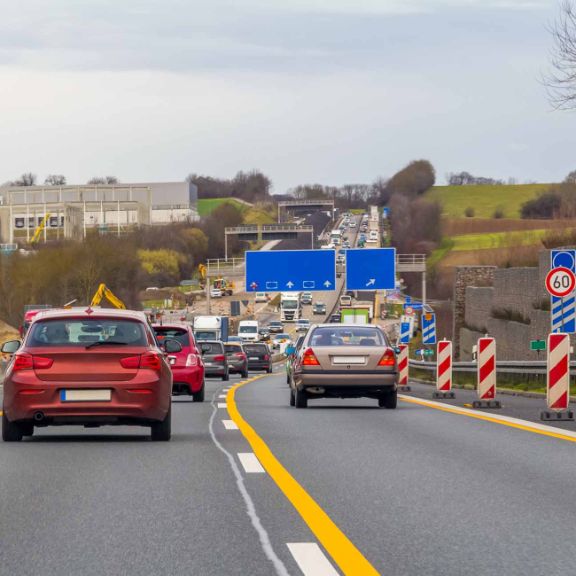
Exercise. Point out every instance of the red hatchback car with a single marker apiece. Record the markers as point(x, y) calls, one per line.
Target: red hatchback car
point(187, 366)
point(89, 368)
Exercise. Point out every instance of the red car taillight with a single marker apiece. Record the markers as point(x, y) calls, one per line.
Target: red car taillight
point(150, 361)
point(219, 358)
point(266, 357)
point(29, 362)
point(309, 358)
point(192, 360)
point(388, 358)
point(240, 355)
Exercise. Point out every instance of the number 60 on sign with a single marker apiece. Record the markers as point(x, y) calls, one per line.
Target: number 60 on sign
point(560, 282)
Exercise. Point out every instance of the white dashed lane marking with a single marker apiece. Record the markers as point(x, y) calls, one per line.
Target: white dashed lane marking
point(221, 404)
point(229, 425)
point(250, 463)
point(311, 559)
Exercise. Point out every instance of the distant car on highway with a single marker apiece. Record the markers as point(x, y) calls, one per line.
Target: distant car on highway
point(90, 367)
point(264, 334)
point(214, 357)
point(259, 357)
point(187, 366)
point(280, 341)
point(275, 327)
point(344, 361)
point(216, 293)
point(335, 318)
point(302, 325)
point(306, 298)
point(237, 359)
point(260, 297)
point(319, 308)
point(345, 300)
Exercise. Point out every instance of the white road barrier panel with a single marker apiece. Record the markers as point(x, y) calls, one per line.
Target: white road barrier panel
point(403, 367)
point(444, 370)
point(486, 374)
point(558, 378)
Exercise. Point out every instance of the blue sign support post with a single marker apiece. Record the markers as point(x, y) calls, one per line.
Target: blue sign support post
point(371, 269)
point(563, 310)
point(290, 271)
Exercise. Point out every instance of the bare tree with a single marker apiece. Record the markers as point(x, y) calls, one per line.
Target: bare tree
point(27, 179)
point(103, 180)
point(561, 80)
point(55, 180)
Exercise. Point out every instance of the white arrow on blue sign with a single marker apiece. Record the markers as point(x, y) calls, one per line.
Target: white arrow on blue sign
point(563, 310)
point(373, 269)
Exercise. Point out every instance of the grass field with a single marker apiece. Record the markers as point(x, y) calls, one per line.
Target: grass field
point(208, 205)
point(484, 199)
point(498, 240)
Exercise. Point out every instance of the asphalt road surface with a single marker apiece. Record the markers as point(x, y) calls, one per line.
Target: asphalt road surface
point(415, 491)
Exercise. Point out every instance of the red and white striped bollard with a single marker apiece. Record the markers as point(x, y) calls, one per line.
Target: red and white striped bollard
point(403, 368)
point(486, 374)
point(558, 378)
point(444, 370)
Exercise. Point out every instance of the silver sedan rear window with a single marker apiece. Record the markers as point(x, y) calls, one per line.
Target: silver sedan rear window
point(347, 336)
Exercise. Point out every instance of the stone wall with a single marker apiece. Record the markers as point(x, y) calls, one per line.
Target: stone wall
point(511, 309)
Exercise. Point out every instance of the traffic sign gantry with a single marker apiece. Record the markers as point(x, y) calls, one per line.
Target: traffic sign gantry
point(373, 269)
point(560, 282)
point(290, 270)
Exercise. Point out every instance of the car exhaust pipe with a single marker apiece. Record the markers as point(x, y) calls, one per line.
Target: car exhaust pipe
point(38, 416)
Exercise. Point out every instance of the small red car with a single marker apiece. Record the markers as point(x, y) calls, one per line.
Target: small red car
point(187, 366)
point(90, 367)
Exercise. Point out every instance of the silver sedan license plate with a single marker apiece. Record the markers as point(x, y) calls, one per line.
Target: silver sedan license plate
point(348, 360)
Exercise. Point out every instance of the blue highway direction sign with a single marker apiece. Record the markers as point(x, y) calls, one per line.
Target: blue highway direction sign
point(429, 328)
point(371, 269)
point(405, 332)
point(290, 270)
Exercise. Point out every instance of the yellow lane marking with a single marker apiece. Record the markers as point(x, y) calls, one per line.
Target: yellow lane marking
point(348, 558)
point(517, 423)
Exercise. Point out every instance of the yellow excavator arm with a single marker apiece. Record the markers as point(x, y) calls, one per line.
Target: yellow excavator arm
point(105, 292)
point(39, 229)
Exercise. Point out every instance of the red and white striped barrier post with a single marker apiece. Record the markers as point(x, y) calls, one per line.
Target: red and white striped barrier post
point(444, 370)
point(403, 367)
point(486, 374)
point(558, 379)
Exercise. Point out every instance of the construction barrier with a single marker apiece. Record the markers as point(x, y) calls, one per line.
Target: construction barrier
point(558, 378)
point(444, 370)
point(486, 370)
point(403, 366)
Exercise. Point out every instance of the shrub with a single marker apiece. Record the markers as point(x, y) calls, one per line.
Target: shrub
point(498, 213)
point(546, 205)
point(469, 212)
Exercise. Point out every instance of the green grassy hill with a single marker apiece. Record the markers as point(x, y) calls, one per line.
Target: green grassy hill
point(208, 205)
point(484, 199)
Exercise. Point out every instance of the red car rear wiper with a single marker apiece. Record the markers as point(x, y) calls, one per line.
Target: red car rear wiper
point(105, 342)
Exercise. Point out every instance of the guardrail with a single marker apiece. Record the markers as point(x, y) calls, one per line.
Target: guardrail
point(503, 366)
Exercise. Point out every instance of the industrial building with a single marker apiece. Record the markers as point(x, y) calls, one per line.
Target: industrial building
point(70, 211)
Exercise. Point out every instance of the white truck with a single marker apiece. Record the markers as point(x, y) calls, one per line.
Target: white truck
point(211, 328)
point(290, 306)
point(248, 330)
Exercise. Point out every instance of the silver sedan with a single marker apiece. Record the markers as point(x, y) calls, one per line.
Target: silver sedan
point(344, 361)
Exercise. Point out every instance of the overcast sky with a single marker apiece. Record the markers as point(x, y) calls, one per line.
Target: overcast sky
point(327, 91)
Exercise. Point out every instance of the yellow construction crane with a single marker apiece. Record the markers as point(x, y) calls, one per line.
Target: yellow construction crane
point(39, 229)
point(105, 292)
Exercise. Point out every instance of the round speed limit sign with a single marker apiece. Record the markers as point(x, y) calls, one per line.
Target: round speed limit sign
point(560, 282)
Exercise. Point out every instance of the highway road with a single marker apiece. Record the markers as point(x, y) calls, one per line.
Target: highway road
point(340, 488)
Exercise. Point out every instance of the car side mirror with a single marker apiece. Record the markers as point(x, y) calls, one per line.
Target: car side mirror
point(397, 350)
point(11, 347)
point(289, 350)
point(172, 346)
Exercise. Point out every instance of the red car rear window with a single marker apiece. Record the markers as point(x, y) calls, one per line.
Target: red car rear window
point(180, 334)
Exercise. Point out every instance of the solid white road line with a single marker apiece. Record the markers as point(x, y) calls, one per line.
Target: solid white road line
point(311, 559)
point(222, 405)
point(222, 396)
point(250, 463)
point(230, 425)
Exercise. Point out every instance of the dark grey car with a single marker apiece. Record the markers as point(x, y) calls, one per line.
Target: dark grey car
point(259, 357)
point(214, 358)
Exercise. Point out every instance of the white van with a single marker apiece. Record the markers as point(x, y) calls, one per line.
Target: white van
point(260, 297)
point(248, 330)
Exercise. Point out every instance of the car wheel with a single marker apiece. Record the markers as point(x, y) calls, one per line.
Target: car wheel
point(226, 376)
point(301, 400)
point(388, 400)
point(162, 431)
point(199, 396)
point(27, 429)
point(292, 397)
point(269, 370)
point(11, 431)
